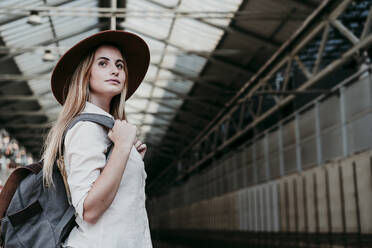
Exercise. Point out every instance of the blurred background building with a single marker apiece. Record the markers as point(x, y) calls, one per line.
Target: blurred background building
point(256, 113)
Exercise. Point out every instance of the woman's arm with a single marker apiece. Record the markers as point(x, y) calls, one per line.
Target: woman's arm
point(104, 189)
point(106, 186)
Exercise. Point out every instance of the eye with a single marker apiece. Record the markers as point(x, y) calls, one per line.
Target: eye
point(102, 63)
point(120, 66)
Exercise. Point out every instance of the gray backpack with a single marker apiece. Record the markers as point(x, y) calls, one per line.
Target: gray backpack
point(35, 216)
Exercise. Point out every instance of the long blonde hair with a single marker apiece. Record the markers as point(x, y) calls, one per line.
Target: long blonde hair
point(76, 96)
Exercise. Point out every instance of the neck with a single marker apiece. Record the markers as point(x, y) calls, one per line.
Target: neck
point(102, 103)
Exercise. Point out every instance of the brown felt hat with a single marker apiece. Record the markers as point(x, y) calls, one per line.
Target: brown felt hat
point(136, 55)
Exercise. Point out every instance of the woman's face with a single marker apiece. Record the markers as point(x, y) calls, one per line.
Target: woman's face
point(107, 74)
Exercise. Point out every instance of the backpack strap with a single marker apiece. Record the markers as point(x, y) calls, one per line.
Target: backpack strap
point(96, 118)
point(102, 120)
point(12, 183)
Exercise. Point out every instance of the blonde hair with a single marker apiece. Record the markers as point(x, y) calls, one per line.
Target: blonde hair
point(76, 96)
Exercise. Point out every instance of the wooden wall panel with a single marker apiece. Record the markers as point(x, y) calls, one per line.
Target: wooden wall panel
point(335, 197)
point(282, 207)
point(251, 210)
point(291, 209)
point(349, 195)
point(322, 206)
point(364, 176)
point(310, 202)
point(300, 203)
point(276, 209)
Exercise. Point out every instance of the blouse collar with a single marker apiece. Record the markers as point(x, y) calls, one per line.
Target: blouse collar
point(92, 108)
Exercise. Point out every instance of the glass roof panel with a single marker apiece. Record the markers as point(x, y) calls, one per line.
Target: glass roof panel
point(40, 86)
point(69, 42)
point(145, 129)
point(158, 92)
point(67, 25)
point(156, 48)
point(153, 106)
point(167, 3)
point(54, 2)
point(18, 36)
point(194, 35)
point(180, 86)
point(135, 121)
point(20, 27)
point(129, 108)
point(151, 73)
point(32, 63)
point(34, 40)
point(210, 6)
point(139, 18)
point(149, 118)
point(174, 58)
point(161, 121)
point(190, 65)
point(138, 104)
point(143, 91)
point(165, 109)
point(16, 3)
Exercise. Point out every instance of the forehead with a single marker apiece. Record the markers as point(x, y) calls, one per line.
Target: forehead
point(108, 51)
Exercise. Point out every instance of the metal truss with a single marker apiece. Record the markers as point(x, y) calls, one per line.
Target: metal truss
point(125, 13)
point(249, 108)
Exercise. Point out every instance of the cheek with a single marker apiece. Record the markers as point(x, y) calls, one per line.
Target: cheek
point(95, 85)
point(95, 78)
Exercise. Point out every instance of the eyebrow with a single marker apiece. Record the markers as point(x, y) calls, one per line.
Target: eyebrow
point(109, 59)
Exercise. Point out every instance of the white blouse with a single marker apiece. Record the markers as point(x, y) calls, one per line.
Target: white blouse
point(124, 223)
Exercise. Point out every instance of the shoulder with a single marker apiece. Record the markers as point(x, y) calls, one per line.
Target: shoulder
point(86, 131)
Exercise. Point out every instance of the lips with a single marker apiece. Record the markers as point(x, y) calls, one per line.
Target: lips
point(113, 81)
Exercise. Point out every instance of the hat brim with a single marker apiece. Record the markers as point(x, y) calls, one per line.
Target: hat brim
point(136, 55)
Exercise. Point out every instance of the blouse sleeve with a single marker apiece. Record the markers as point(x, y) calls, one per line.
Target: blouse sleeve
point(85, 147)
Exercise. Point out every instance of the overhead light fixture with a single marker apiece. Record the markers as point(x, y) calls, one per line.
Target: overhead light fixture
point(34, 18)
point(48, 56)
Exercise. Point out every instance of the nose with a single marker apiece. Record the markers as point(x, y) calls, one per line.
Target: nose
point(114, 70)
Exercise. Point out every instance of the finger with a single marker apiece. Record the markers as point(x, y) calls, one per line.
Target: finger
point(138, 144)
point(142, 147)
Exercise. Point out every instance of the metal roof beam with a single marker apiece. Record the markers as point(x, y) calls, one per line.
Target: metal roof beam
point(306, 3)
point(244, 33)
point(229, 65)
point(202, 80)
point(196, 80)
point(307, 31)
point(17, 18)
point(232, 30)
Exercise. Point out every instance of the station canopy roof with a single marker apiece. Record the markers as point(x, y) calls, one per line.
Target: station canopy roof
point(202, 52)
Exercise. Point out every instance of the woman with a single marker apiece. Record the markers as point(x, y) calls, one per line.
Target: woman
point(98, 75)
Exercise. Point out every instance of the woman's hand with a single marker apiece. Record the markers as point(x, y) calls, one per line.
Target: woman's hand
point(141, 148)
point(123, 133)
